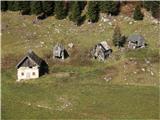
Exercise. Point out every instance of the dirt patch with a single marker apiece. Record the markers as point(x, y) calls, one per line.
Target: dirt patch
point(111, 72)
point(61, 74)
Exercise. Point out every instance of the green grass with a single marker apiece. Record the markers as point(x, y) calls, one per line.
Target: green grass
point(86, 100)
point(131, 93)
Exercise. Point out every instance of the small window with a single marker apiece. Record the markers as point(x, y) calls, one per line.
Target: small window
point(22, 73)
point(33, 73)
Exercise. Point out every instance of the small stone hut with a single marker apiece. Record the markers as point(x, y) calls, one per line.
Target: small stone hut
point(136, 41)
point(31, 66)
point(101, 51)
point(60, 52)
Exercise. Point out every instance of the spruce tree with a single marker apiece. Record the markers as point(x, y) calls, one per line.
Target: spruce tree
point(25, 8)
point(18, 5)
point(4, 5)
point(93, 11)
point(60, 11)
point(155, 9)
point(36, 7)
point(137, 15)
point(11, 5)
point(110, 7)
point(116, 36)
point(75, 13)
point(48, 7)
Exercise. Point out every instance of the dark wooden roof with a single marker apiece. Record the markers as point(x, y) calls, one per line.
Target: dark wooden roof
point(32, 56)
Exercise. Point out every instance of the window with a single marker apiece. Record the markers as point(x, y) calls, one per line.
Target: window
point(22, 73)
point(33, 73)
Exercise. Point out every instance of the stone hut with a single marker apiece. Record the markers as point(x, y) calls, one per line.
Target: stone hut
point(101, 51)
point(60, 52)
point(136, 41)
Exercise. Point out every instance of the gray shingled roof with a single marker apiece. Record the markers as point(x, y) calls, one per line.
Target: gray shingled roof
point(32, 56)
point(137, 38)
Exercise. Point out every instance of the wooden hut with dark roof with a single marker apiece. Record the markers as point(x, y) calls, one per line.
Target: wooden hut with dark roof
point(31, 67)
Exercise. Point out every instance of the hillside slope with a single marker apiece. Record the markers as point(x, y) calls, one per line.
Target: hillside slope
point(124, 86)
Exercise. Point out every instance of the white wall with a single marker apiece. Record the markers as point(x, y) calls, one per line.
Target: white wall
point(28, 73)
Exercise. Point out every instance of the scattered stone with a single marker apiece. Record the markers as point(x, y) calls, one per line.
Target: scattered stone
point(41, 42)
point(107, 79)
point(147, 61)
point(143, 69)
point(70, 45)
point(152, 73)
point(110, 23)
point(130, 22)
point(24, 24)
point(135, 72)
point(29, 104)
point(155, 22)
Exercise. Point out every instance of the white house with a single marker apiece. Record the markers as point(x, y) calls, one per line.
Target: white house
point(29, 67)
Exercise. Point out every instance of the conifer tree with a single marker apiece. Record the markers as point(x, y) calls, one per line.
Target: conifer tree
point(110, 7)
point(116, 35)
point(75, 13)
point(155, 9)
point(11, 5)
point(48, 7)
point(36, 7)
point(4, 5)
point(137, 15)
point(93, 11)
point(25, 8)
point(60, 11)
point(18, 5)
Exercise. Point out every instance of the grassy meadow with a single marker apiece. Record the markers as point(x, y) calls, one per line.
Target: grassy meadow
point(125, 86)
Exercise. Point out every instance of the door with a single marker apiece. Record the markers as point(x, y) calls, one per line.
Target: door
point(28, 75)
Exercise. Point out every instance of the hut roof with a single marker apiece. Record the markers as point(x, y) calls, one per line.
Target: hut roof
point(136, 38)
point(32, 56)
point(105, 45)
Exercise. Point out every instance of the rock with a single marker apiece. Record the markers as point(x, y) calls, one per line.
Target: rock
point(130, 22)
point(135, 72)
point(42, 42)
point(143, 69)
point(70, 45)
point(110, 23)
point(147, 61)
point(155, 22)
point(24, 24)
point(107, 79)
point(152, 73)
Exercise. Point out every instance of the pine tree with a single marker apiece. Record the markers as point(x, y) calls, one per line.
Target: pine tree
point(4, 5)
point(48, 7)
point(60, 11)
point(75, 13)
point(93, 11)
point(155, 9)
point(36, 7)
point(25, 8)
point(116, 35)
point(18, 5)
point(110, 7)
point(11, 5)
point(137, 15)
